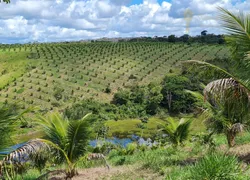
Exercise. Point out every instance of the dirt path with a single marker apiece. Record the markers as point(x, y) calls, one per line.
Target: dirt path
point(115, 173)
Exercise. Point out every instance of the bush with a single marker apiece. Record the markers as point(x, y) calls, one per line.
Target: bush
point(108, 90)
point(216, 166)
point(131, 148)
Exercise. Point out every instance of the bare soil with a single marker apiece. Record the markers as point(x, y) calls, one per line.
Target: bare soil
point(114, 173)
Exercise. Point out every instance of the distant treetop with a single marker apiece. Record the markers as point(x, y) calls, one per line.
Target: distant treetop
point(6, 1)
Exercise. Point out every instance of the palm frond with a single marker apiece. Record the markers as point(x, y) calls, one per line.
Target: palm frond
point(23, 154)
point(237, 128)
point(177, 131)
point(77, 137)
point(228, 76)
point(202, 65)
point(171, 126)
point(182, 130)
point(238, 26)
point(55, 127)
point(228, 89)
point(9, 115)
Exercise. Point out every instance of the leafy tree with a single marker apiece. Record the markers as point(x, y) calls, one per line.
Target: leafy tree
point(231, 93)
point(122, 97)
point(177, 132)
point(171, 38)
point(185, 38)
point(174, 96)
point(204, 33)
point(154, 98)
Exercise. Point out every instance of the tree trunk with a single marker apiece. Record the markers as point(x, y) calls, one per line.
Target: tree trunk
point(231, 138)
point(71, 173)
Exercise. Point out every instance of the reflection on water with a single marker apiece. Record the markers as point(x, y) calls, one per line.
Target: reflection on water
point(123, 142)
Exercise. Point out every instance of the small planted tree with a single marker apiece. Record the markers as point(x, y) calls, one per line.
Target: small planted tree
point(177, 132)
point(66, 140)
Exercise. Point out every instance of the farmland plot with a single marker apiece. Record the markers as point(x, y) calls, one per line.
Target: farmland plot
point(58, 74)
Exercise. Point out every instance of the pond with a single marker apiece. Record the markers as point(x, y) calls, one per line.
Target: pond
point(123, 142)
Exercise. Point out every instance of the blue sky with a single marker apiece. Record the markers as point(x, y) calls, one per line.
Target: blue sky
point(141, 1)
point(25, 21)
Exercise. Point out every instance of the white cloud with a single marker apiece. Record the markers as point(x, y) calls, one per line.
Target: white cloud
point(59, 20)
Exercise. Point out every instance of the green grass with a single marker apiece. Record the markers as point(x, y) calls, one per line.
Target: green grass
point(13, 65)
point(29, 175)
point(124, 128)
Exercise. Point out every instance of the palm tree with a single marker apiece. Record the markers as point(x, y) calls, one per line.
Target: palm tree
point(177, 132)
point(230, 95)
point(216, 120)
point(68, 138)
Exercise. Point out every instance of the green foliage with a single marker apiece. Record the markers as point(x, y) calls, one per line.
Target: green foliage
point(178, 132)
point(29, 175)
point(237, 25)
point(63, 65)
point(66, 140)
point(216, 166)
point(122, 97)
point(71, 136)
point(9, 114)
point(5, 1)
point(134, 103)
point(230, 94)
point(100, 111)
point(128, 127)
point(175, 98)
point(58, 93)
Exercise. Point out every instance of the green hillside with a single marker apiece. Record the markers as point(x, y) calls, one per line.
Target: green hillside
point(58, 74)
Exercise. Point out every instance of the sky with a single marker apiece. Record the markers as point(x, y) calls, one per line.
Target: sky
point(25, 21)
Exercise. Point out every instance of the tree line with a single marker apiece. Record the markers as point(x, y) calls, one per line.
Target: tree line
point(204, 37)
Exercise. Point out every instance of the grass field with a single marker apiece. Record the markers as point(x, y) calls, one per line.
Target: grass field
point(124, 128)
point(85, 70)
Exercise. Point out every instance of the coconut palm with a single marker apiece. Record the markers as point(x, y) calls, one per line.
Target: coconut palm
point(217, 120)
point(230, 95)
point(177, 132)
point(66, 140)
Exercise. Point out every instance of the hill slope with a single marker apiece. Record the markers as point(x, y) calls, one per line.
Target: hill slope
point(58, 74)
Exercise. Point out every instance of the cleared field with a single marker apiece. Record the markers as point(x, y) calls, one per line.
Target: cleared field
point(59, 74)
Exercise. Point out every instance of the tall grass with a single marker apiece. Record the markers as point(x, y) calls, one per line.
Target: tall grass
point(214, 166)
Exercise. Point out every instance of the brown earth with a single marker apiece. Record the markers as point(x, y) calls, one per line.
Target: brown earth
point(115, 173)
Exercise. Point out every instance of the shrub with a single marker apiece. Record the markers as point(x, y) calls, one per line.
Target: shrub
point(108, 90)
point(131, 148)
point(216, 166)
